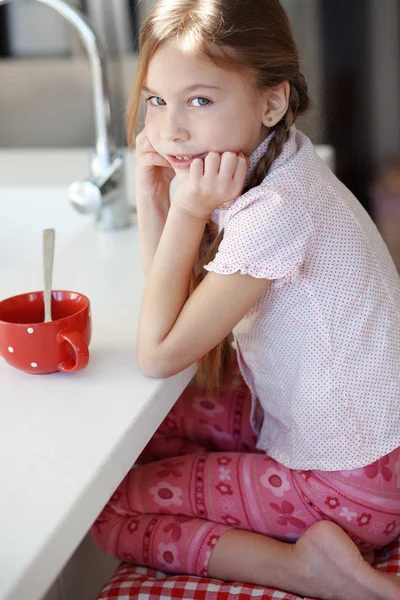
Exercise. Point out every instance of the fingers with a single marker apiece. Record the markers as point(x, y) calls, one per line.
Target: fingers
point(148, 153)
point(212, 182)
point(197, 168)
point(143, 143)
point(229, 164)
point(241, 170)
point(212, 164)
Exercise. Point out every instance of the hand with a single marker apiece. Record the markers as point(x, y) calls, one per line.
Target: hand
point(153, 172)
point(211, 184)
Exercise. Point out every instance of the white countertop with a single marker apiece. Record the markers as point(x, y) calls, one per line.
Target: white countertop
point(67, 440)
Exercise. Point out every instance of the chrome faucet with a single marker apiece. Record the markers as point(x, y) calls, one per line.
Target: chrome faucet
point(103, 193)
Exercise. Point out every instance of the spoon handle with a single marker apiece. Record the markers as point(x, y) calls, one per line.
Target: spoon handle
point(48, 257)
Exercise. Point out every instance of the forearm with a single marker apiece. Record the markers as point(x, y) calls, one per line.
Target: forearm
point(167, 286)
point(151, 218)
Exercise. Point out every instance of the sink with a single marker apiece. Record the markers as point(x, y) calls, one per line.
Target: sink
point(25, 212)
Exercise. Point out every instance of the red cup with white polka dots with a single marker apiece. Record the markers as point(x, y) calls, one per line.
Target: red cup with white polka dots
point(31, 345)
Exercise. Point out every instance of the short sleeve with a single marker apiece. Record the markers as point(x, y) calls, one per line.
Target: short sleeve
point(268, 234)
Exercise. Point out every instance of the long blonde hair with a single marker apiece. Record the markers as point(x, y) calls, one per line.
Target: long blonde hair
point(259, 33)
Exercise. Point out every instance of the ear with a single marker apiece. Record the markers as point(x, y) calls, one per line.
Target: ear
point(276, 103)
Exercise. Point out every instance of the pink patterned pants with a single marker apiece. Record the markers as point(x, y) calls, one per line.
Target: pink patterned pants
point(201, 475)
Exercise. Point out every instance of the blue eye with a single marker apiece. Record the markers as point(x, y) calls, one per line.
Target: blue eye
point(202, 102)
point(151, 98)
point(203, 99)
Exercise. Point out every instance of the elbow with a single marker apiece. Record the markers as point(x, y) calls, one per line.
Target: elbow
point(152, 364)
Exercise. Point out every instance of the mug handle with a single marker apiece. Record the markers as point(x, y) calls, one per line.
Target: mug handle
point(80, 348)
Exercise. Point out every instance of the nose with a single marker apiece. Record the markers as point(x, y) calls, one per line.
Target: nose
point(173, 129)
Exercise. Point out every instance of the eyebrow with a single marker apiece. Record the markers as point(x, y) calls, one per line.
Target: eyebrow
point(190, 88)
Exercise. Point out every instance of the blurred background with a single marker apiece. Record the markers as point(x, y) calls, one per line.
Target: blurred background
point(350, 51)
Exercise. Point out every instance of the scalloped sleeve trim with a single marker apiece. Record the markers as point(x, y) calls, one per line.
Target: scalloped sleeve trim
point(279, 276)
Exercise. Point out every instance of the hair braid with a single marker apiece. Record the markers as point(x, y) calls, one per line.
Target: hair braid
point(281, 130)
point(215, 365)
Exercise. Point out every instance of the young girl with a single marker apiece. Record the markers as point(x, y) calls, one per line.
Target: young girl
point(291, 477)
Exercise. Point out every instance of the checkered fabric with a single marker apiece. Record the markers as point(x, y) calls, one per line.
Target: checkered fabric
point(140, 583)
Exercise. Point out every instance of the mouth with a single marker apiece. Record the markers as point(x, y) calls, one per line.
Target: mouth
point(183, 161)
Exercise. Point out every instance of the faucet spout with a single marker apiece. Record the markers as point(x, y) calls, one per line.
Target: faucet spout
point(112, 211)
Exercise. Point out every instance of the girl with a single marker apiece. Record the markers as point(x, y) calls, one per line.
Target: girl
point(291, 478)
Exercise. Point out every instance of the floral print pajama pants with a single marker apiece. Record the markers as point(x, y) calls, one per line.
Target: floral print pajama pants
point(201, 475)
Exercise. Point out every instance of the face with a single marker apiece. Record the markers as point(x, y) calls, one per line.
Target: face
point(195, 107)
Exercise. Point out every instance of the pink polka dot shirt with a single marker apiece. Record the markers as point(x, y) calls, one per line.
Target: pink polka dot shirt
point(320, 350)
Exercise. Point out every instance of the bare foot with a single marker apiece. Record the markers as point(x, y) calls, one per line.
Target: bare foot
point(334, 569)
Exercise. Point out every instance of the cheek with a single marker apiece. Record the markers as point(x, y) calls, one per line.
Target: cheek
point(151, 131)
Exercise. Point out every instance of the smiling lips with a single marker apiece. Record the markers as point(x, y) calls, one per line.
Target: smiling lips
point(183, 161)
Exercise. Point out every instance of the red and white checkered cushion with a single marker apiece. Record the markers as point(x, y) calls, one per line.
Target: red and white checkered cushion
point(139, 583)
